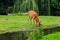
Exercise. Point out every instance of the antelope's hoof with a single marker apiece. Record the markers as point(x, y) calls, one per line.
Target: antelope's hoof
point(37, 25)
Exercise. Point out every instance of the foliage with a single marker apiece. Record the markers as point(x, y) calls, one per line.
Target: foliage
point(35, 35)
point(40, 6)
point(55, 36)
point(20, 13)
point(28, 5)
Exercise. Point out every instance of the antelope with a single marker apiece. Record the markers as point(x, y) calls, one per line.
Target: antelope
point(33, 16)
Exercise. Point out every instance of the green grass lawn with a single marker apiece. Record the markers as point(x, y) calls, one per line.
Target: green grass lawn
point(49, 20)
point(10, 22)
point(55, 36)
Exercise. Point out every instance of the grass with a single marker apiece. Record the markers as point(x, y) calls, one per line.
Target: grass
point(49, 20)
point(55, 36)
point(10, 22)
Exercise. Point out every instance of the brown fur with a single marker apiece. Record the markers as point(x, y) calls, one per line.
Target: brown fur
point(34, 16)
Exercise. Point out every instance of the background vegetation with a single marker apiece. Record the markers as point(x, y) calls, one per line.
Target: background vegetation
point(42, 7)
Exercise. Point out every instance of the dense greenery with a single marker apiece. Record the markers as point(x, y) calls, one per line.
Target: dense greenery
point(43, 7)
point(54, 36)
point(35, 35)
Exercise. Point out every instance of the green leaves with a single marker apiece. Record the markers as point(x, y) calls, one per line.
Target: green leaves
point(28, 5)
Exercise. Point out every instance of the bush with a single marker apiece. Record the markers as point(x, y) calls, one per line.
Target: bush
point(35, 35)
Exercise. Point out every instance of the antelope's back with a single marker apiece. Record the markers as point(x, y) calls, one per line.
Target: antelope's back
point(32, 13)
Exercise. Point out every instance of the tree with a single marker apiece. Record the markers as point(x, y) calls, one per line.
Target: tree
point(28, 5)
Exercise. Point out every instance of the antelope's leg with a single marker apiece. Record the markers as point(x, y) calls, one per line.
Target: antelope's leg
point(30, 19)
